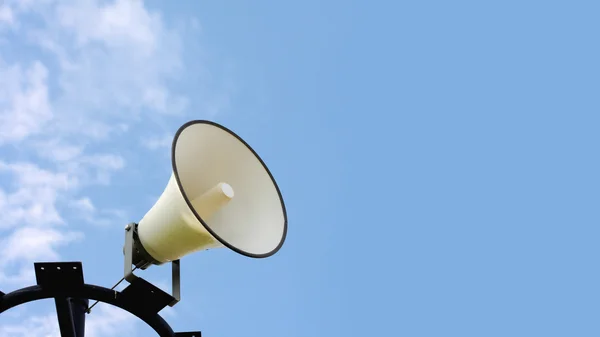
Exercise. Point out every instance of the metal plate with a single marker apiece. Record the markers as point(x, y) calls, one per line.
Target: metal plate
point(146, 296)
point(59, 275)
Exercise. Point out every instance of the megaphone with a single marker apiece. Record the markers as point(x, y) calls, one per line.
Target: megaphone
point(220, 194)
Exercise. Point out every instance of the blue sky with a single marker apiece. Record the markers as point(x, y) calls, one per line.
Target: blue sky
point(438, 159)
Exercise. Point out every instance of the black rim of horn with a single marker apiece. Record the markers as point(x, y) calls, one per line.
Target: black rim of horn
point(188, 202)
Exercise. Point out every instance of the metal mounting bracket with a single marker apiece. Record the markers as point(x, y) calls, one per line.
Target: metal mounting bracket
point(135, 254)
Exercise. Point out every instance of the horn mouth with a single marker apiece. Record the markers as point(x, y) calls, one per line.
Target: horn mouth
point(233, 226)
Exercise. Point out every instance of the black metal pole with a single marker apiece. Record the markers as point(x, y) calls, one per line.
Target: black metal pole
point(65, 317)
point(78, 309)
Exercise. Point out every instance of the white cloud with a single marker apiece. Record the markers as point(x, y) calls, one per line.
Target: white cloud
point(101, 68)
point(37, 193)
point(43, 326)
point(70, 158)
point(154, 143)
point(33, 243)
point(104, 321)
point(84, 205)
point(114, 62)
point(18, 277)
point(24, 105)
point(86, 210)
point(121, 23)
point(120, 45)
point(31, 211)
point(6, 15)
point(33, 200)
point(57, 150)
point(30, 175)
point(102, 166)
point(26, 245)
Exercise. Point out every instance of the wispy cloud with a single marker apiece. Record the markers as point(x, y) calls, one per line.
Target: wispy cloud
point(120, 43)
point(34, 195)
point(114, 61)
point(28, 244)
point(84, 209)
point(32, 243)
point(6, 14)
point(154, 143)
point(24, 103)
point(105, 321)
point(45, 325)
point(99, 69)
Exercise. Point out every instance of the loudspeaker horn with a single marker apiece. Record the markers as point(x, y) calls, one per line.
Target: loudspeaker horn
point(220, 194)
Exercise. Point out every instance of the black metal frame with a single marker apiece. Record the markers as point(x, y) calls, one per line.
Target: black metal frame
point(64, 282)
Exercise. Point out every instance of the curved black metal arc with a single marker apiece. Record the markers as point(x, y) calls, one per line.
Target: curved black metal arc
point(87, 291)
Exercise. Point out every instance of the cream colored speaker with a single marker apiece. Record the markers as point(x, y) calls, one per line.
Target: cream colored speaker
point(220, 194)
